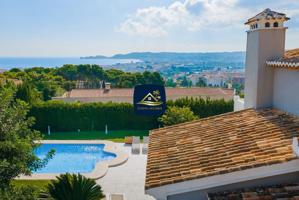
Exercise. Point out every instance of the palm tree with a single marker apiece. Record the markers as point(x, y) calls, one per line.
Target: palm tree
point(74, 187)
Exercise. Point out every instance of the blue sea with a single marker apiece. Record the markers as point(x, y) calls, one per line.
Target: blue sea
point(18, 62)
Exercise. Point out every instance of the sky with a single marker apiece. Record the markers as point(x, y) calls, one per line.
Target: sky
point(71, 28)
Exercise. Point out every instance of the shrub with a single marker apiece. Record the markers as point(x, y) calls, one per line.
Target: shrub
point(204, 107)
point(25, 192)
point(176, 115)
point(74, 187)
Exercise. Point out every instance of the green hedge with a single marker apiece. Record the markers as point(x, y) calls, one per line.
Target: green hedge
point(118, 116)
point(89, 116)
point(204, 107)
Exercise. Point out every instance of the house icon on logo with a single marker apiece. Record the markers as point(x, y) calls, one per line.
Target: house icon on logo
point(150, 100)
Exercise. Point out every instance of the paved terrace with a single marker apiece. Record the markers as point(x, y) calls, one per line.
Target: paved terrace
point(128, 178)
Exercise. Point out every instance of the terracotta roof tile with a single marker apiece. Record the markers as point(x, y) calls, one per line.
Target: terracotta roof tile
point(290, 60)
point(220, 144)
point(294, 53)
point(266, 15)
point(170, 92)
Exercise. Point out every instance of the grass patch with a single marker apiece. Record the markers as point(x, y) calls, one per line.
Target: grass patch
point(115, 136)
point(41, 184)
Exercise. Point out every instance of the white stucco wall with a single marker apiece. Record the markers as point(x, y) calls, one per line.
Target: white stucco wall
point(262, 45)
point(251, 70)
point(238, 103)
point(286, 90)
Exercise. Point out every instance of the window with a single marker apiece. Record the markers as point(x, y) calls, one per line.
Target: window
point(275, 24)
point(254, 26)
point(267, 24)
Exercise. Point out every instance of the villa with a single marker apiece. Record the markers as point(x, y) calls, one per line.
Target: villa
point(149, 100)
point(227, 156)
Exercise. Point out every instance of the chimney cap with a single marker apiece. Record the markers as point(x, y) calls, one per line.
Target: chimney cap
point(107, 86)
point(266, 15)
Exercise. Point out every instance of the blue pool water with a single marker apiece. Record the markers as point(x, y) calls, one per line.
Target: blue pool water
point(73, 158)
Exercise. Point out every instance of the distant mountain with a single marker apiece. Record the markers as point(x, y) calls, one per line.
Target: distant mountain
point(180, 57)
point(94, 57)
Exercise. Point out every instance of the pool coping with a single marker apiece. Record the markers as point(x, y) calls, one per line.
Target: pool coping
point(100, 168)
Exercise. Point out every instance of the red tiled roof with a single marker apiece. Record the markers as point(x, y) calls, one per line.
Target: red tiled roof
point(275, 192)
point(170, 92)
point(290, 60)
point(220, 144)
point(266, 15)
point(294, 53)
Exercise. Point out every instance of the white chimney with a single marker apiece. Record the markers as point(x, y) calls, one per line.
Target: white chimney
point(107, 86)
point(265, 41)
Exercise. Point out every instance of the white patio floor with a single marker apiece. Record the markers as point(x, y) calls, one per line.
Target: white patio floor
point(128, 178)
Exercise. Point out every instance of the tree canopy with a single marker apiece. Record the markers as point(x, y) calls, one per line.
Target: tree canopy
point(170, 83)
point(201, 82)
point(16, 139)
point(186, 82)
point(49, 82)
point(176, 115)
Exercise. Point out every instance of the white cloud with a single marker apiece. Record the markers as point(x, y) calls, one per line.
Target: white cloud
point(191, 15)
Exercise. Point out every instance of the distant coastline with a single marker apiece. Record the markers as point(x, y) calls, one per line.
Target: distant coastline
point(7, 63)
point(94, 57)
point(145, 56)
point(168, 63)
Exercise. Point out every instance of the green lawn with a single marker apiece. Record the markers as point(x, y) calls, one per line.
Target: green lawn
point(38, 183)
point(115, 136)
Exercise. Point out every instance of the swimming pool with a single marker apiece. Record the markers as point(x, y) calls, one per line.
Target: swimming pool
point(73, 158)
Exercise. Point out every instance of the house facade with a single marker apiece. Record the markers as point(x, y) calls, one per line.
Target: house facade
point(257, 146)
